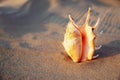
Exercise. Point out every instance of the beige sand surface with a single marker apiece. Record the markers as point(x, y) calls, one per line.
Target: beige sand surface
point(31, 49)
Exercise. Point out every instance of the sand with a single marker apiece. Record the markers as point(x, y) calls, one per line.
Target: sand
point(31, 49)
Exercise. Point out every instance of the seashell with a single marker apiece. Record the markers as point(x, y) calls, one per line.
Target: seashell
point(79, 41)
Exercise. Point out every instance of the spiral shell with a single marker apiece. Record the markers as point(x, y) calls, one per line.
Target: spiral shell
point(79, 41)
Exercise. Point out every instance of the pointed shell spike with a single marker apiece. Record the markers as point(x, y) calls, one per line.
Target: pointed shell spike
point(97, 48)
point(94, 57)
point(96, 23)
point(88, 16)
point(71, 19)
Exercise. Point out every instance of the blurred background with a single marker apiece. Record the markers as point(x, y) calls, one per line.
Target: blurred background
point(56, 11)
point(31, 32)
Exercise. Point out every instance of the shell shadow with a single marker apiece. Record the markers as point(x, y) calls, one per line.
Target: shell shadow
point(110, 49)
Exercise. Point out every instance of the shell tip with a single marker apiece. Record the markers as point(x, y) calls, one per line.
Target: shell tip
point(89, 9)
point(70, 18)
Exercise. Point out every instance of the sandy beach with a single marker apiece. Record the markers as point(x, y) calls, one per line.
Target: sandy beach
point(31, 44)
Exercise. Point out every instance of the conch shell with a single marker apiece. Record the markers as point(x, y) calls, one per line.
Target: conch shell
point(79, 41)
